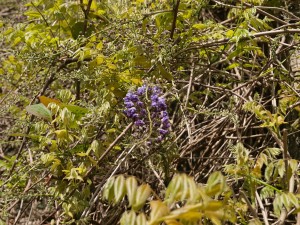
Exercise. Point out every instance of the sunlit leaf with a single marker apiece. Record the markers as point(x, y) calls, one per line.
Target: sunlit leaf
point(77, 110)
point(158, 210)
point(215, 184)
point(281, 167)
point(141, 219)
point(128, 217)
point(172, 222)
point(293, 163)
point(277, 204)
point(99, 45)
point(61, 134)
point(269, 171)
point(267, 192)
point(142, 193)
point(131, 187)
point(293, 199)
point(108, 190)
point(173, 188)
point(32, 14)
point(200, 26)
point(39, 110)
point(119, 188)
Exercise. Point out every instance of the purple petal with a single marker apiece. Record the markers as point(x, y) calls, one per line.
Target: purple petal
point(154, 104)
point(129, 104)
point(143, 112)
point(163, 132)
point(154, 97)
point(141, 90)
point(135, 116)
point(156, 90)
point(165, 119)
point(166, 125)
point(165, 113)
point(131, 97)
point(140, 104)
point(139, 123)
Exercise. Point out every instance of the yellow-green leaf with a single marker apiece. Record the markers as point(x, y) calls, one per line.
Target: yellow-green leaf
point(142, 193)
point(158, 210)
point(128, 218)
point(119, 188)
point(131, 187)
point(99, 46)
point(200, 26)
point(108, 190)
point(141, 219)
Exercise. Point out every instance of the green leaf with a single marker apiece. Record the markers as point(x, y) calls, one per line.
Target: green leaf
point(99, 45)
point(72, 174)
point(286, 201)
point(158, 210)
point(233, 65)
point(173, 189)
point(76, 29)
point(215, 184)
point(108, 190)
point(277, 204)
point(39, 110)
point(76, 110)
point(119, 188)
point(293, 165)
point(141, 219)
point(33, 14)
point(193, 192)
point(142, 193)
point(273, 152)
point(200, 26)
point(267, 192)
point(128, 217)
point(185, 187)
point(131, 187)
point(213, 205)
point(269, 171)
point(164, 73)
point(281, 167)
point(293, 199)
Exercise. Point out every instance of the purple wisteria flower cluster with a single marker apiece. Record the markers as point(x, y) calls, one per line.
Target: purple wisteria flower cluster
point(147, 108)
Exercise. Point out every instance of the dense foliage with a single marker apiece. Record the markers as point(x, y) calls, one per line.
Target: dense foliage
point(150, 112)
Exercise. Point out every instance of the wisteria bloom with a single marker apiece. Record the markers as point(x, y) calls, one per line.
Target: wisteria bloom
point(147, 107)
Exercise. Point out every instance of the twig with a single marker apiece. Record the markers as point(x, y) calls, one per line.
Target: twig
point(175, 12)
point(244, 196)
point(190, 82)
point(19, 212)
point(156, 174)
point(263, 210)
point(285, 158)
point(265, 13)
point(108, 175)
point(109, 148)
point(86, 14)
